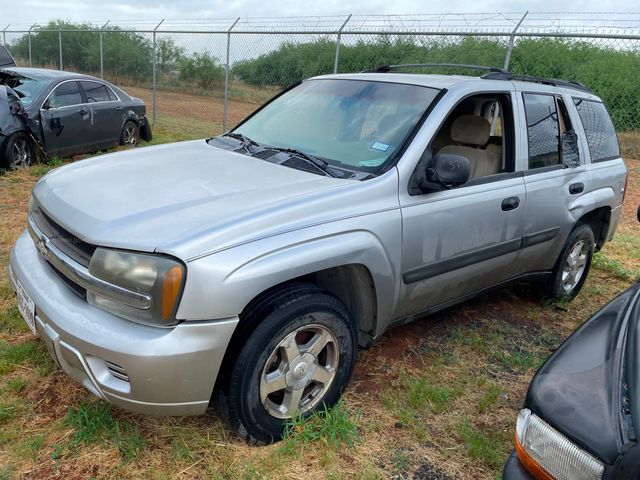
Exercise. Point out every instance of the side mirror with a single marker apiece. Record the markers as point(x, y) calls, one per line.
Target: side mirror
point(449, 170)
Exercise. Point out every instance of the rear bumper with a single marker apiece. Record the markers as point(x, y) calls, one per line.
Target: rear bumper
point(151, 370)
point(513, 469)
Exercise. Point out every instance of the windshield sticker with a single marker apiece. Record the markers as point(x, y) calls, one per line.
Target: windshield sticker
point(381, 147)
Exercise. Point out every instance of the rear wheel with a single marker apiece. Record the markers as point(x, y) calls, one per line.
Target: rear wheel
point(573, 265)
point(18, 151)
point(297, 358)
point(130, 136)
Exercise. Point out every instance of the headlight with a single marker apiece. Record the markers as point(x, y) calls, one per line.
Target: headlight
point(549, 455)
point(159, 277)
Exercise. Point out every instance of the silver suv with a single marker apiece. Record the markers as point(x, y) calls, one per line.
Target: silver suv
point(248, 268)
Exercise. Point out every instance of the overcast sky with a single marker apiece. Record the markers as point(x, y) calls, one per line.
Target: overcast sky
point(41, 11)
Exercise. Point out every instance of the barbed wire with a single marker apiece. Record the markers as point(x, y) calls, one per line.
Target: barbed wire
point(609, 23)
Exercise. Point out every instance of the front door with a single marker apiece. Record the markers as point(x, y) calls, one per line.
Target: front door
point(461, 240)
point(65, 120)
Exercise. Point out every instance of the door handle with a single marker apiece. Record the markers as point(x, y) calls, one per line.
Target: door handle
point(510, 203)
point(576, 188)
point(83, 111)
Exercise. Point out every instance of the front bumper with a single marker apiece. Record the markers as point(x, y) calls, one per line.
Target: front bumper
point(145, 369)
point(513, 469)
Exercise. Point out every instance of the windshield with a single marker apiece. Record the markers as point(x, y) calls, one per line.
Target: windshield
point(354, 123)
point(26, 88)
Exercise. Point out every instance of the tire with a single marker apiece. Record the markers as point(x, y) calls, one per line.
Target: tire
point(574, 262)
point(130, 136)
point(18, 151)
point(274, 364)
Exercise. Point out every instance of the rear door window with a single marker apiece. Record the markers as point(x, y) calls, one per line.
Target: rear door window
point(543, 130)
point(96, 92)
point(598, 127)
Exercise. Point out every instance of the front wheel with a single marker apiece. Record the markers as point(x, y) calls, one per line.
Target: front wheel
point(297, 359)
point(18, 151)
point(573, 264)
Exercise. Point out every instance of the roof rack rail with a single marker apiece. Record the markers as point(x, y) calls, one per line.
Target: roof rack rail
point(390, 68)
point(506, 75)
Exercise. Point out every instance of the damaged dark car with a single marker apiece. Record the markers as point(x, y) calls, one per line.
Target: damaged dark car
point(581, 415)
point(53, 113)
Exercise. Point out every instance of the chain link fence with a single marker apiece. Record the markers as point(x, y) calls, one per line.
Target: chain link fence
point(201, 77)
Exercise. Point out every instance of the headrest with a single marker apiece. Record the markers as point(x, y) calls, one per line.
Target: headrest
point(471, 130)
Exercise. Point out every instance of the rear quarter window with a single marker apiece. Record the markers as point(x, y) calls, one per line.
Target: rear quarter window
point(598, 127)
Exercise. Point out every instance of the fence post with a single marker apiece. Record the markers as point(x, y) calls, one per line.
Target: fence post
point(507, 59)
point(225, 111)
point(153, 67)
point(29, 38)
point(60, 46)
point(338, 37)
point(101, 55)
point(4, 35)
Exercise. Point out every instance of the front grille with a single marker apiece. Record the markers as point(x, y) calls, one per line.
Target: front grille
point(75, 288)
point(66, 242)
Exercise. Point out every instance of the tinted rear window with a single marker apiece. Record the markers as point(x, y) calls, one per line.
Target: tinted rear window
point(96, 92)
point(601, 136)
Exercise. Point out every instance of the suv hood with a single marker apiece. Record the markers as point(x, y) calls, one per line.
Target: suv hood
point(185, 198)
point(578, 389)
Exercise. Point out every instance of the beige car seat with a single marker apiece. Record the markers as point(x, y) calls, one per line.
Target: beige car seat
point(471, 133)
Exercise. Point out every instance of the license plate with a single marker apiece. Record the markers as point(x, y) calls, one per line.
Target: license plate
point(27, 307)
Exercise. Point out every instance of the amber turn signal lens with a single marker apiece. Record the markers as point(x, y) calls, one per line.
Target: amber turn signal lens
point(170, 290)
point(530, 464)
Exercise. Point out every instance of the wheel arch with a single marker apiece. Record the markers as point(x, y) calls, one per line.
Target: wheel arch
point(594, 209)
point(598, 220)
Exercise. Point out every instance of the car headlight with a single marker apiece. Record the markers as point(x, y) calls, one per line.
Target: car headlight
point(549, 455)
point(159, 277)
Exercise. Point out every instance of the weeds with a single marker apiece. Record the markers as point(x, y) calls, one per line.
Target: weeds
point(93, 423)
point(485, 446)
point(603, 262)
point(31, 352)
point(332, 427)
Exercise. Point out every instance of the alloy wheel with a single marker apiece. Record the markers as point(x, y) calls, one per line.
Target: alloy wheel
point(574, 266)
point(130, 136)
point(20, 153)
point(299, 371)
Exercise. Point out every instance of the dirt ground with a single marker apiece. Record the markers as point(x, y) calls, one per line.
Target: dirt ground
point(433, 400)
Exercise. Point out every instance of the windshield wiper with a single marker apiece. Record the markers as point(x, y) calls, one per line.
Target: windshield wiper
point(317, 162)
point(246, 141)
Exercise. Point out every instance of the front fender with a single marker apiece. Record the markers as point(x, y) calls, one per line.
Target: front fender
point(222, 284)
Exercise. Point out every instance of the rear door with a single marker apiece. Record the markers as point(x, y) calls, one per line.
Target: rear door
point(555, 176)
point(65, 120)
point(106, 114)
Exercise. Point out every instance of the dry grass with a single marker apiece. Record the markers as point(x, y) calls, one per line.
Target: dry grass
point(436, 399)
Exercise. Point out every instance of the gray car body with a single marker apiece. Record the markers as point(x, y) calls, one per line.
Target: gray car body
point(73, 129)
point(242, 226)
